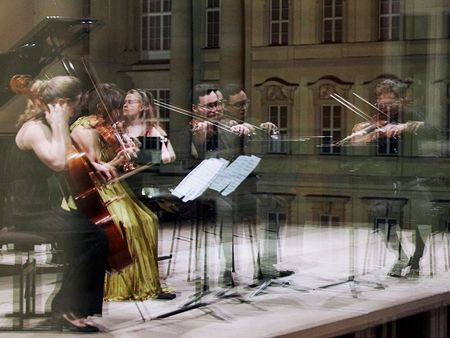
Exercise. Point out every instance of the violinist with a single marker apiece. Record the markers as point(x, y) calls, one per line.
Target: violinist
point(387, 126)
point(36, 188)
point(385, 123)
point(222, 134)
point(140, 122)
point(236, 109)
point(140, 280)
point(214, 134)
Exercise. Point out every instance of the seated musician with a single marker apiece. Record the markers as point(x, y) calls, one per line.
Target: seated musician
point(93, 132)
point(35, 168)
point(139, 112)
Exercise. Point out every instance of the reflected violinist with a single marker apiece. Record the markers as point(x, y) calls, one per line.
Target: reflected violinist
point(386, 121)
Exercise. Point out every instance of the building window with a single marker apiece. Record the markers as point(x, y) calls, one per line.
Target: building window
point(389, 20)
point(448, 119)
point(447, 25)
point(389, 146)
point(162, 114)
point(156, 23)
point(329, 220)
point(279, 22)
point(332, 21)
point(212, 24)
point(279, 116)
point(386, 223)
point(331, 128)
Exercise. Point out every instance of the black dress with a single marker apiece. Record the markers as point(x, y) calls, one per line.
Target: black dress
point(33, 203)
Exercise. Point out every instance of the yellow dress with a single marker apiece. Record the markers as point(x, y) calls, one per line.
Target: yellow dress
point(140, 280)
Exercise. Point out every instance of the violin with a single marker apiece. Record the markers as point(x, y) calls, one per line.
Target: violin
point(114, 136)
point(363, 133)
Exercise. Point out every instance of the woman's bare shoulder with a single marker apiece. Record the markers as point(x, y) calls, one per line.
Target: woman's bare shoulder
point(30, 132)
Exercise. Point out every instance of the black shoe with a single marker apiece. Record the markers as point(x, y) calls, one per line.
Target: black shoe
point(62, 323)
point(413, 273)
point(227, 279)
point(166, 295)
point(397, 268)
point(414, 263)
point(276, 274)
point(285, 273)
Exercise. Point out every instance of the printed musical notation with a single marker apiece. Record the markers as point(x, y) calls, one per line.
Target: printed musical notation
point(215, 174)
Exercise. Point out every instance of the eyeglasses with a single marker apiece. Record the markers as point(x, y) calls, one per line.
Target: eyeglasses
point(388, 106)
point(210, 105)
point(131, 101)
point(241, 104)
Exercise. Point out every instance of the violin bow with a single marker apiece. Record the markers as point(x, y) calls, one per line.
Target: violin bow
point(191, 114)
point(358, 112)
point(94, 80)
point(370, 104)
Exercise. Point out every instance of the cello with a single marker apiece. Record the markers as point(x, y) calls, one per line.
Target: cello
point(84, 184)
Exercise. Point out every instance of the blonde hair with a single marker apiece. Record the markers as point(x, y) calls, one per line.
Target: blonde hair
point(148, 102)
point(43, 92)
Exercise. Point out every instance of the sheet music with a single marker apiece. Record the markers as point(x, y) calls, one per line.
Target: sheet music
point(199, 179)
point(216, 174)
point(229, 179)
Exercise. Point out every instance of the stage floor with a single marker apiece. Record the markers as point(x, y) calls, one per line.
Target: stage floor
point(305, 304)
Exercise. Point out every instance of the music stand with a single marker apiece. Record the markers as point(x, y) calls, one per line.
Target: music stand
point(199, 300)
point(352, 278)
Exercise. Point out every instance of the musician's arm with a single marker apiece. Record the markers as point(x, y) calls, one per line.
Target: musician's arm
point(50, 144)
point(88, 140)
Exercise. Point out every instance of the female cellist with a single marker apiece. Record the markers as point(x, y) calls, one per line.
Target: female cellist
point(34, 167)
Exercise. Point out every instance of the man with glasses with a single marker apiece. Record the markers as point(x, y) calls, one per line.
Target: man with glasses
point(215, 136)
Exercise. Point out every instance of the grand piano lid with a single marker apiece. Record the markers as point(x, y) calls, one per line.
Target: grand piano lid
point(40, 47)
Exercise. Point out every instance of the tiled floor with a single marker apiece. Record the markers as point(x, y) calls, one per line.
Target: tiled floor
point(304, 305)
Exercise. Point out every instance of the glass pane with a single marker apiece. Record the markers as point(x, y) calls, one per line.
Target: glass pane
point(284, 33)
point(338, 7)
point(155, 6)
point(328, 11)
point(385, 7)
point(326, 118)
point(167, 5)
point(395, 6)
point(315, 170)
point(285, 11)
point(276, 14)
point(145, 6)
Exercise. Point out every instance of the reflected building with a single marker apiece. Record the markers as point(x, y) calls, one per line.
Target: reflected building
point(288, 56)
